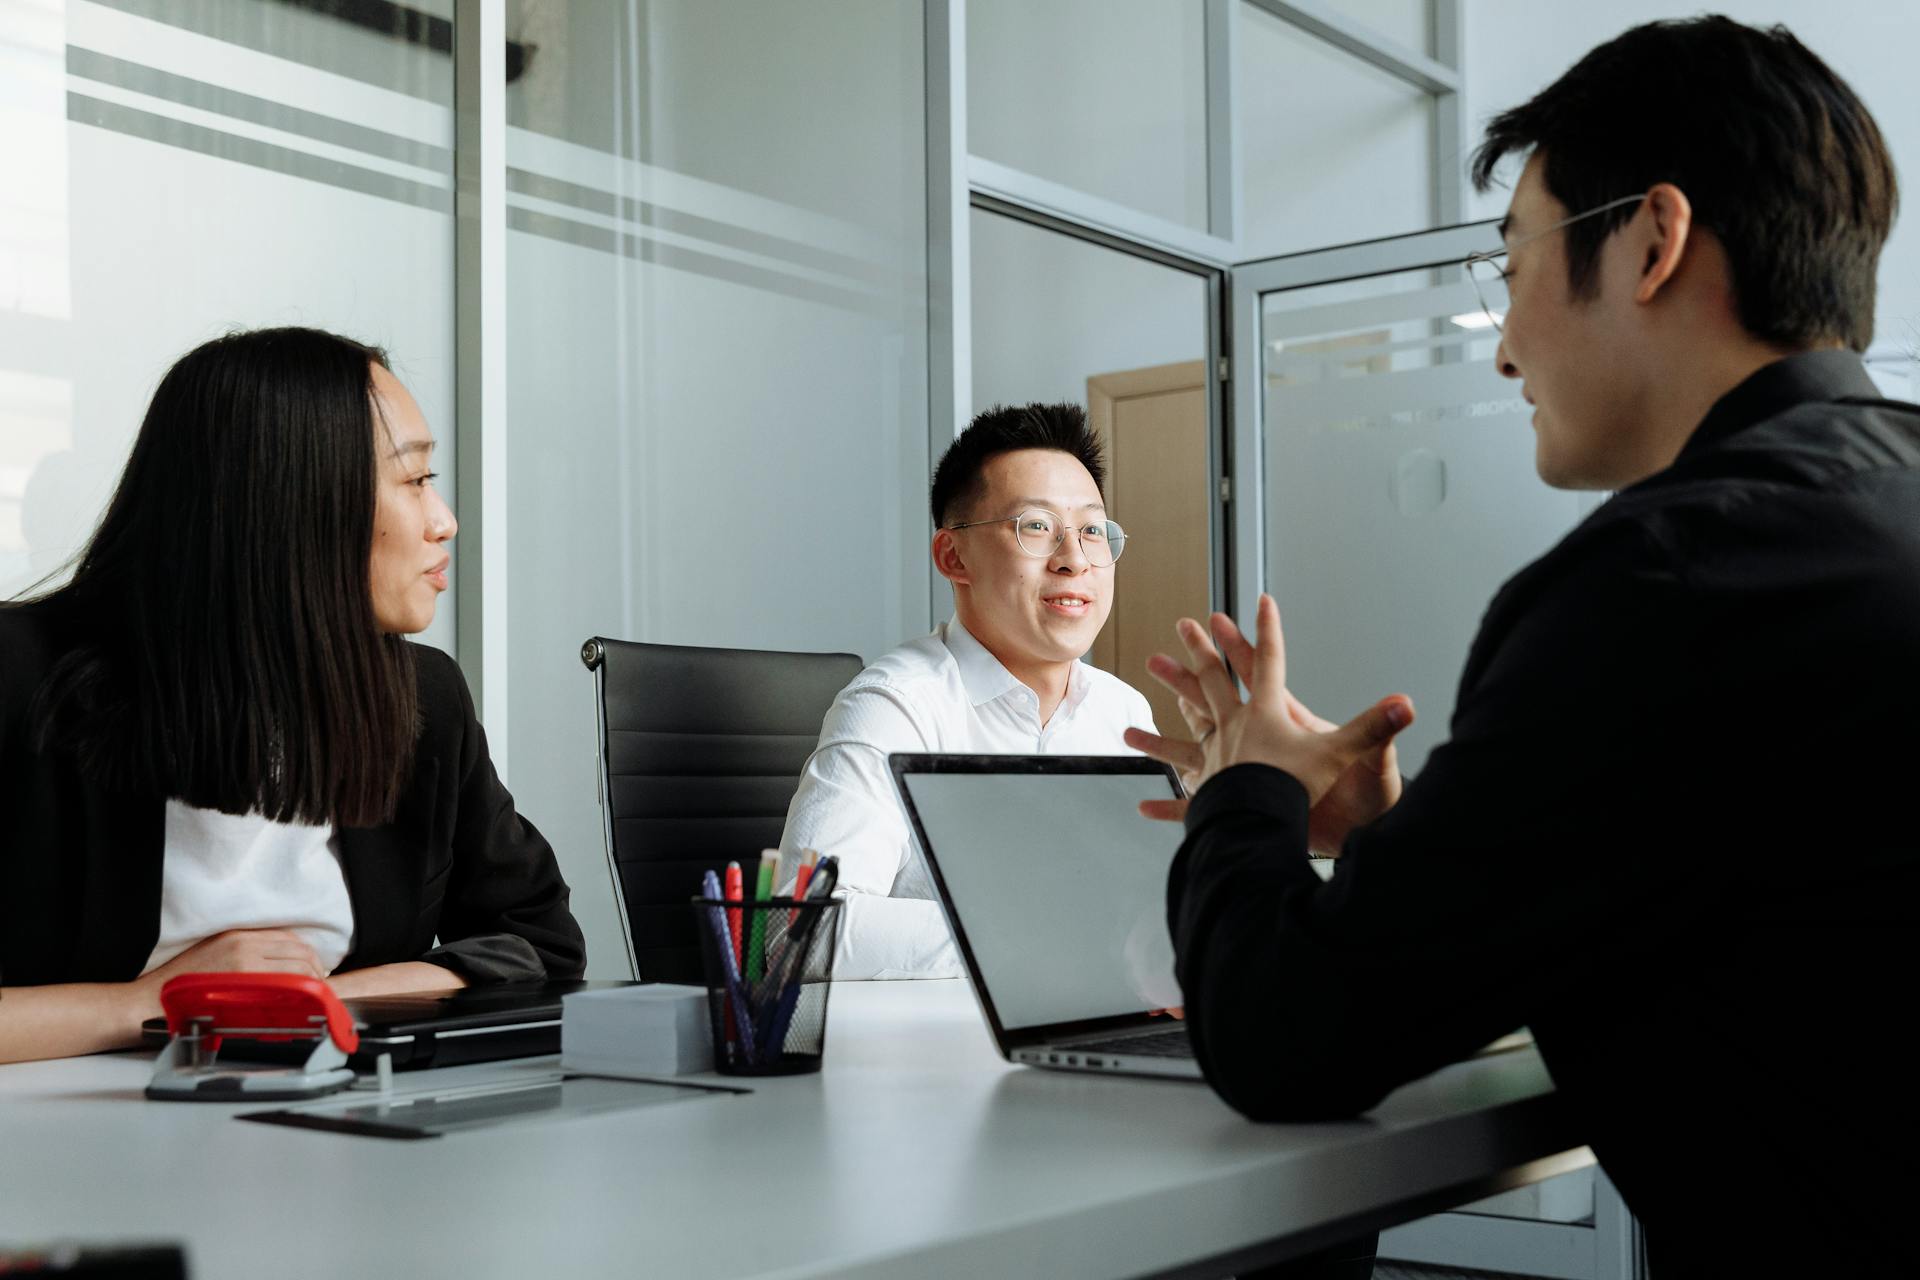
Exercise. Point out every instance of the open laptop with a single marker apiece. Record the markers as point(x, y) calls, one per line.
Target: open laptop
point(431, 1028)
point(1056, 891)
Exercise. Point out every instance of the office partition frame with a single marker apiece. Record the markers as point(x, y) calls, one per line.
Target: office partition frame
point(1252, 281)
point(957, 179)
point(480, 359)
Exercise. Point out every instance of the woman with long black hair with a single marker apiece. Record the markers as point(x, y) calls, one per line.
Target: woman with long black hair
point(217, 751)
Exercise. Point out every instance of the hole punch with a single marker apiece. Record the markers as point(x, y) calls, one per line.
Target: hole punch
point(204, 1008)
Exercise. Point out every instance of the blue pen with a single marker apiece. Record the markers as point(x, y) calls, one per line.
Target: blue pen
point(710, 888)
point(740, 1018)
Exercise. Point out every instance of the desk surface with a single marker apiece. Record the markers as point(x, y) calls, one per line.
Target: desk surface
point(916, 1152)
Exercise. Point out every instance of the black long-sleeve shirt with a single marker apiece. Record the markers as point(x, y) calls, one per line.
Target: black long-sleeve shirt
point(1675, 832)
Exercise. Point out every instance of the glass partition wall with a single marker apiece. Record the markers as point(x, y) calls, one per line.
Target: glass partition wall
point(175, 171)
point(717, 336)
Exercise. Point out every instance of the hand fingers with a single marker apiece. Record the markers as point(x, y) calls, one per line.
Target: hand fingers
point(275, 942)
point(280, 962)
point(1385, 762)
point(1184, 756)
point(265, 937)
point(1239, 654)
point(1164, 810)
point(1165, 750)
point(1269, 683)
point(1198, 721)
point(1218, 695)
point(1169, 672)
point(1373, 730)
point(271, 951)
point(306, 968)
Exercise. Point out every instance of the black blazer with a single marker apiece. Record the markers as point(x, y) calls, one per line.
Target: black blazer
point(80, 868)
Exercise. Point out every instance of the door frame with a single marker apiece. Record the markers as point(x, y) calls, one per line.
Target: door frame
point(1246, 283)
point(1214, 322)
point(1103, 390)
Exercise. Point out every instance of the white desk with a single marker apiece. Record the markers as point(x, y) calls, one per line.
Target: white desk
point(916, 1152)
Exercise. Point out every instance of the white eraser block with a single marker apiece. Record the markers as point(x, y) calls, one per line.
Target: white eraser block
point(654, 1030)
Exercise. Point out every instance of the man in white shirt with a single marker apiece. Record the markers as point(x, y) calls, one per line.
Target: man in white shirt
point(1021, 531)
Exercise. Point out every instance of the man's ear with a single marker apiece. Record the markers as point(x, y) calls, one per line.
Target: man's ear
point(1671, 216)
point(947, 559)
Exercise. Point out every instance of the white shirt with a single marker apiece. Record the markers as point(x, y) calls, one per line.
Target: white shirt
point(224, 872)
point(941, 692)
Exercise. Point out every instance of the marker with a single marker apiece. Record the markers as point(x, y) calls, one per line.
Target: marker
point(733, 913)
point(757, 928)
point(800, 877)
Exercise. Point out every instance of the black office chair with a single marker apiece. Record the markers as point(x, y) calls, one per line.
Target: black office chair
point(700, 754)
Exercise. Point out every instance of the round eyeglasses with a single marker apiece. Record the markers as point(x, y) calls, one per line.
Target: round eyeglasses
point(1488, 271)
point(1040, 533)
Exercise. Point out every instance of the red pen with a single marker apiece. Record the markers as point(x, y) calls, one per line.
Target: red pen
point(734, 894)
point(800, 878)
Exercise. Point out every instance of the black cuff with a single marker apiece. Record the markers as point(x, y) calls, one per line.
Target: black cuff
point(1260, 789)
point(490, 957)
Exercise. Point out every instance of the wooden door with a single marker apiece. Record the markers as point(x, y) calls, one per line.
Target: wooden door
point(1159, 488)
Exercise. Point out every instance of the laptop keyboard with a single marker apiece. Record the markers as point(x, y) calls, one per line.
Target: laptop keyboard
point(1161, 1044)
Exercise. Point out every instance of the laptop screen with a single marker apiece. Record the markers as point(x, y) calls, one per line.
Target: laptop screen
point(1058, 884)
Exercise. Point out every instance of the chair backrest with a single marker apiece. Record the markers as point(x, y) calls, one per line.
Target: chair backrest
point(700, 754)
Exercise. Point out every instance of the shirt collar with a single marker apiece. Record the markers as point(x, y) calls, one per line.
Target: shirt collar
point(985, 677)
point(1777, 387)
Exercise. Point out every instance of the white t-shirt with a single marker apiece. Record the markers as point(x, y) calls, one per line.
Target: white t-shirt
point(941, 692)
point(224, 872)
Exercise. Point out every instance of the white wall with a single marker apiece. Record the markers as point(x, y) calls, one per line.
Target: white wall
point(1515, 48)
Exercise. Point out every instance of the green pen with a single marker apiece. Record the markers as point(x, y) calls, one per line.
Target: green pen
point(757, 932)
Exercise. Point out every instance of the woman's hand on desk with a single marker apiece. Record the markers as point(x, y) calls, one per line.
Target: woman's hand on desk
point(281, 951)
point(59, 1020)
point(235, 951)
point(395, 979)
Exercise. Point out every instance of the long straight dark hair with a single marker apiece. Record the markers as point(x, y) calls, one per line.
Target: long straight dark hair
point(225, 647)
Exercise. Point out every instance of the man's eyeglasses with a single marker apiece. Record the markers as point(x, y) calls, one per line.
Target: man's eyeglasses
point(1040, 533)
point(1488, 270)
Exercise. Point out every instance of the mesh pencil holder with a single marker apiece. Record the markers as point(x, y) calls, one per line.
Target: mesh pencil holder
point(769, 968)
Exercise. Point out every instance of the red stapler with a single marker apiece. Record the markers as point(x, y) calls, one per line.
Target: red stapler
point(203, 1008)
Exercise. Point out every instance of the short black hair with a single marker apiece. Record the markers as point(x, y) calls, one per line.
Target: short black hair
point(1779, 158)
point(226, 650)
point(958, 480)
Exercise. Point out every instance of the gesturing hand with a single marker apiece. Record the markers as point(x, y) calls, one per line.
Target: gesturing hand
point(1350, 772)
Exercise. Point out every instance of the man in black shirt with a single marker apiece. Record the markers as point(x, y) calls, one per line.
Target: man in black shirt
point(1671, 831)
